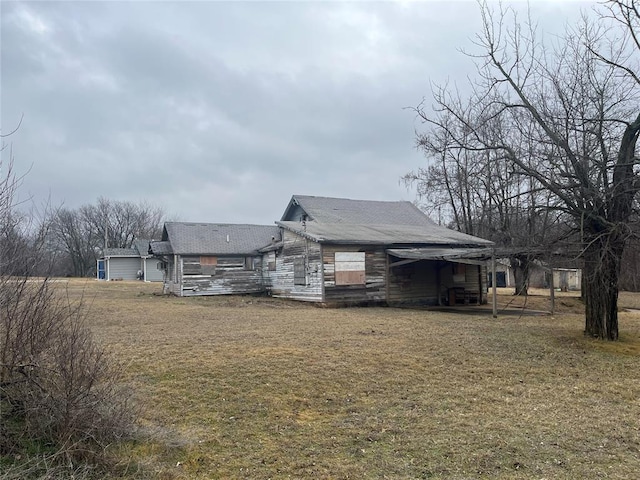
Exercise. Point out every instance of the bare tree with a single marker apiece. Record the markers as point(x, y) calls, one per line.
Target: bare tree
point(60, 392)
point(79, 242)
point(84, 232)
point(120, 222)
point(482, 194)
point(572, 112)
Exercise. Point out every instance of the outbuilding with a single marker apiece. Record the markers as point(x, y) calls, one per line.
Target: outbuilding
point(135, 263)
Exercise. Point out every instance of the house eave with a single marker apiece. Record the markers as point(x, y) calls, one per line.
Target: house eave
point(254, 253)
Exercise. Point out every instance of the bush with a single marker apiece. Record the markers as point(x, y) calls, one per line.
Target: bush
point(61, 394)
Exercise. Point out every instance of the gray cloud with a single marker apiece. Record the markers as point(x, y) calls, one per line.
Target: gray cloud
point(219, 111)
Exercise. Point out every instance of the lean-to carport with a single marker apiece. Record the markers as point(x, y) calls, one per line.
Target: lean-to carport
point(398, 257)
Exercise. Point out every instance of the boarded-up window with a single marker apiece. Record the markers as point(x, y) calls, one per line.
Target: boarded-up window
point(208, 265)
point(250, 263)
point(271, 261)
point(349, 268)
point(459, 270)
point(208, 260)
point(299, 271)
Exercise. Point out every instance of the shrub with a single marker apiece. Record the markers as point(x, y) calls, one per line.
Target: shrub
point(59, 390)
point(61, 395)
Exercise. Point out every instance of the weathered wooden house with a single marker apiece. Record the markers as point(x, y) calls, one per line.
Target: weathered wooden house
point(135, 263)
point(213, 259)
point(341, 251)
point(329, 250)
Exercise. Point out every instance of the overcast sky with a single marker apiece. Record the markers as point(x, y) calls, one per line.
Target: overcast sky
point(220, 111)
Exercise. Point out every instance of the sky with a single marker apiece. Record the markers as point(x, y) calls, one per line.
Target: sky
point(221, 111)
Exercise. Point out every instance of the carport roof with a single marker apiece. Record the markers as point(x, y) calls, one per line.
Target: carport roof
point(461, 255)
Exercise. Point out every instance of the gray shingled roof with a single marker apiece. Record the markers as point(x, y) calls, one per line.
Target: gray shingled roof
point(142, 246)
point(161, 248)
point(342, 220)
point(362, 212)
point(218, 238)
point(120, 252)
point(378, 234)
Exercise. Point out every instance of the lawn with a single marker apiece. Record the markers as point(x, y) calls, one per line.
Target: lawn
point(245, 387)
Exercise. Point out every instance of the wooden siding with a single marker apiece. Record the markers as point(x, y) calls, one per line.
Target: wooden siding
point(282, 279)
point(415, 282)
point(227, 275)
point(374, 288)
point(173, 281)
point(435, 282)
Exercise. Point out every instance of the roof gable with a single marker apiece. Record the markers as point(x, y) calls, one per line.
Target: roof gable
point(141, 246)
point(218, 238)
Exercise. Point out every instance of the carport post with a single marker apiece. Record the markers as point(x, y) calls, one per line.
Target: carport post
point(552, 292)
point(494, 288)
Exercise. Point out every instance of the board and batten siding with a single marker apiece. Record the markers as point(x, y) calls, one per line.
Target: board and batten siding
point(372, 288)
point(297, 253)
point(211, 275)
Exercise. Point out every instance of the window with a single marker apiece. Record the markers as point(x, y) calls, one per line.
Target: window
point(299, 271)
point(208, 265)
point(249, 263)
point(208, 261)
point(459, 273)
point(271, 261)
point(349, 268)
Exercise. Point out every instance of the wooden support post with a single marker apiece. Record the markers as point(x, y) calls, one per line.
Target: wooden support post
point(439, 283)
point(552, 292)
point(479, 302)
point(493, 284)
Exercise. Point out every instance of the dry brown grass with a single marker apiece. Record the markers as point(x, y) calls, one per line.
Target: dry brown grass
point(240, 387)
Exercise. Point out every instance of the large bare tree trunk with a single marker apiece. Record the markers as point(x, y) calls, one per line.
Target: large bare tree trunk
point(521, 272)
point(602, 257)
point(605, 246)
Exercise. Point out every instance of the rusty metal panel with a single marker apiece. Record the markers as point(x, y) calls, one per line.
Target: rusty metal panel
point(208, 260)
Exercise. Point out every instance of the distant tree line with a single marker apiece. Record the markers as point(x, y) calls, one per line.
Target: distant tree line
point(78, 236)
point(67, 242)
